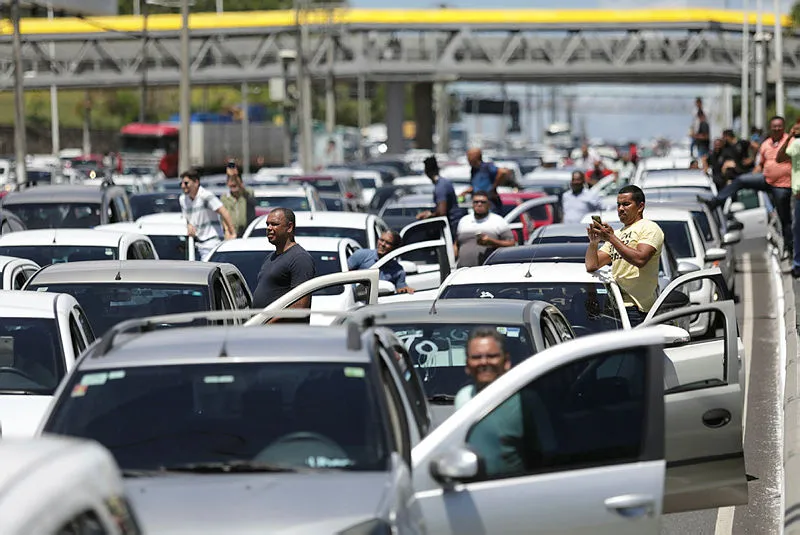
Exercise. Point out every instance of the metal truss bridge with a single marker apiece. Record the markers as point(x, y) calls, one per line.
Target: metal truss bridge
point(441, 45)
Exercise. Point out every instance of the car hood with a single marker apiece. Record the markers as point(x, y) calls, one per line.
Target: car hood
point(21, 414)
point(290, 503)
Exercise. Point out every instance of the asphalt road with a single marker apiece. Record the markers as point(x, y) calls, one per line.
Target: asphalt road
point(759, 328)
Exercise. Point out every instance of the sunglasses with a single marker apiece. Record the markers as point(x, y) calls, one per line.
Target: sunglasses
point(185, 182)
point(480, 202)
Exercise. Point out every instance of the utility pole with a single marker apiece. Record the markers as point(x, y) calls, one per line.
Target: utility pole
point(54, 126)
point(362, 115)
point(20, 149)
point(778, 63)
point(245, 131)
point(758, 103)
point(304, 87)
point(184, 162)
point(87, 123)
point(553, 111)
point(745, 91)
point(143, 89)
point(220, 7)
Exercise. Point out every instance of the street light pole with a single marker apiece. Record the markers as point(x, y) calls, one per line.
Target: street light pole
point(744, 118)
point(758, 103)
point(245, 131)
point(54, 130)
point(305, 140)
point(185, 91)
point(20, 149)
point(778, 63)
point(143, 90)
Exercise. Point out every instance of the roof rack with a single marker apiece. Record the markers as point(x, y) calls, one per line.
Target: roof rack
point(142, 325)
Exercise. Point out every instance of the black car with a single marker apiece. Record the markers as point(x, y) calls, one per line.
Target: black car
point(154, 203)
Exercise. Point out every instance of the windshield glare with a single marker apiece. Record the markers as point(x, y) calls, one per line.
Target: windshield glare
point(170, 247)
point(44, 255)
point(439, 351)
point(61, 215)
point(588, 307)
point(249, 263)
point(108, 304)
point(30, 355)
point(318, 415)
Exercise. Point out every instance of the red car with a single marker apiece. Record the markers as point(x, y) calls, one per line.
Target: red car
point(536, 217)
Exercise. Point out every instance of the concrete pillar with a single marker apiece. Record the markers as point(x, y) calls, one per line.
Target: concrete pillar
point(423, 114)
point(442, 100)
point(395, 107)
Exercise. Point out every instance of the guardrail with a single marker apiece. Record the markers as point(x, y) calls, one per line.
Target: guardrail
point(791, 417)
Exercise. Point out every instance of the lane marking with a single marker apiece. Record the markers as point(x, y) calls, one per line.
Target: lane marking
point(724, 524)
point(780, 305)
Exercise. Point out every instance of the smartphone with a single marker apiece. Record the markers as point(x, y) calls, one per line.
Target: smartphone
point(596, 219)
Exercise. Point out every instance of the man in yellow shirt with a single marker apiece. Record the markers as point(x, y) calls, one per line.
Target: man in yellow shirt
point(633, 252)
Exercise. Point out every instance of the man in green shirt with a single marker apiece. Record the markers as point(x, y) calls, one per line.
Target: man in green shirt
point(239, 200)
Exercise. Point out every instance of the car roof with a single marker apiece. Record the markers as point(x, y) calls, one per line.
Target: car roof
point(562, 229)
point(525, 272)
point(309, 243)
point(283, 191)
point(414, 199)
point(6, 260)
point(71, 236)
point(130, 271)
point(541, 252)
point(25, 304)
point(206, 344)
point(477, 311)
point(326, 219)
point(51, 194)
point(154, 228)
point(653, 213)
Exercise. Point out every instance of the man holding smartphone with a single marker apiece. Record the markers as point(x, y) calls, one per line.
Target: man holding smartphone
point(633, 252)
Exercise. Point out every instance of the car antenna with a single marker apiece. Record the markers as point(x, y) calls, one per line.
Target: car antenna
point(432, 310)
point(118, 276)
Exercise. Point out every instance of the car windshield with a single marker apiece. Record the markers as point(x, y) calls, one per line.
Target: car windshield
point(439, 351)
point(318, 415)
point(61, 215)
point(39, 177)
point(170, 247)
point(44, 255)
point(298, 204)
point(588, 306)
point(329, 185)
point(333, 204)
point(30, 356)
point(249, 263)
point(153, 204)
point(677, 234)
point(358, 235)
point(367, 182)
point(108, 304)
point(544, 237)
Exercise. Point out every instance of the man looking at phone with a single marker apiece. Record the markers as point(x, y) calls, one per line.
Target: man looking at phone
point(633, 252)
point(480, 233)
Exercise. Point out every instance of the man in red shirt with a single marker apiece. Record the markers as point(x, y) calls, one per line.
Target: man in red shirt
point(769, 175)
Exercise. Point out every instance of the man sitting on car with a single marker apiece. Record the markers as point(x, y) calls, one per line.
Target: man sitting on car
point(391, 271)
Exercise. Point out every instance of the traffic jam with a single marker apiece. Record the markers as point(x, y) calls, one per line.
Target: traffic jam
point(484, 342)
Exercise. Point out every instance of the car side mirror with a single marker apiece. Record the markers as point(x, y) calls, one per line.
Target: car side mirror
point(674, 336)
point(675, 299)
point(456, 465)
point(361, 293)
point(715, 254)
point(736, 207)
point(385, 288)
point(687, 267)
point(734, 224)
point(731, 237)
point(409, 267)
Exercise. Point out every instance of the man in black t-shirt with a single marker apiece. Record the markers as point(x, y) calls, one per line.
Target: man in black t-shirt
point(285, 269)
point(702, 137)
point(735, 156)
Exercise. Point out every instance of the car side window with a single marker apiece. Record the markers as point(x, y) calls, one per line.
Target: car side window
point(85, 523)
point(548, 334)
point(240, 296)
point(561, 327)
point(398, 419)
point(588, 413)
point(414, 390)
point(113, 212)
point(19, 280)
point(145, 250)
point(85, 325)
point(78, 345)
point(133, 252)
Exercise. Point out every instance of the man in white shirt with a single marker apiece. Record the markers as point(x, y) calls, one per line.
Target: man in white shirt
point(579, 201)
point(200, 208)
point(481, 232)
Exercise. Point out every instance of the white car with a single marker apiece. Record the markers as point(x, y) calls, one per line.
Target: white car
point(358, 226)
point(299, 198)
point(52, 246)
point(15, 272)
point(686, 242)
point(166, 230)
point(41, 335)
point(275, 175)
point(369, 182)
point(678, 177)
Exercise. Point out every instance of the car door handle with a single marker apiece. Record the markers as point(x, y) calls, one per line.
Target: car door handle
point(716, 418)
point(631, 505)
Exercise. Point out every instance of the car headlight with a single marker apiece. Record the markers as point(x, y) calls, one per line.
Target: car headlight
point(376, 526)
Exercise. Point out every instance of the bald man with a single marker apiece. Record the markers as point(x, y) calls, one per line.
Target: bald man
point(485, 176)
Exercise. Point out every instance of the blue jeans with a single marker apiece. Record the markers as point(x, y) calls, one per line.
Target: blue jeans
point(796, 232)
point(781, 198)
point(635, 316)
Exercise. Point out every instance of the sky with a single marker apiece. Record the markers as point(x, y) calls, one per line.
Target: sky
point(629, 113)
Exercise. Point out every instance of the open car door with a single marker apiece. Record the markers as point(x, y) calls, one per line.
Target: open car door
point(434, 228)
point(704, 403)
point(516, 222)
point(366, 290)
point(568, 442)
point(422, 280)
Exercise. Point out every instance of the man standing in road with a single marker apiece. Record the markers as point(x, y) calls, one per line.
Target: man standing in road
point(392, 271)
point(444, 197)
point(480, 233)
point(579, 201)
point(200, 208)
point(790, 151)
point(239, 200)
point(486, 177)
point(499, 437)
point(702, 136)
point(633, 252)
point(286, 268)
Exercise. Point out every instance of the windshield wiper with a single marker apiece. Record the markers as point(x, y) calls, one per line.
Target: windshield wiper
point(442, 399)
point(228, 467)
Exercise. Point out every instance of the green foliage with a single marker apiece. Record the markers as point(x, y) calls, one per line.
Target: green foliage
point(794, 13)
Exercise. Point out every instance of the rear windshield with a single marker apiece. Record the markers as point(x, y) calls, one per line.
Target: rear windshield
point(677, 234)
point(325, 232)
point(298, 204)
point(44, 255)
point(61, 215)
point(31, 358)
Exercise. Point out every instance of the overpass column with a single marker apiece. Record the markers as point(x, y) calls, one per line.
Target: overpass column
point(442, 99)
point(423, 114)
point(395, 108)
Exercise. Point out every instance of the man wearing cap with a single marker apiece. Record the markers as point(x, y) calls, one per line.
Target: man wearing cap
point(239, 201)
